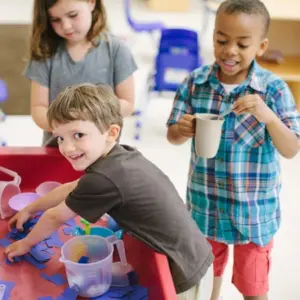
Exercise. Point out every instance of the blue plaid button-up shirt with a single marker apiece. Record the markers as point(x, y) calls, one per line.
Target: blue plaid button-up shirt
point(234, 197)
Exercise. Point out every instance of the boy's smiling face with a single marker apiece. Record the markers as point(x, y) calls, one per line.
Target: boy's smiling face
point(238, 39)
point(82, 143)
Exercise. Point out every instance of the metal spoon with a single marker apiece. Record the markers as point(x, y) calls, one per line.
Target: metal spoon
point(223, 114)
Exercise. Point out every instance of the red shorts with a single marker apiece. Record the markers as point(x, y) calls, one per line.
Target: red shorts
point(250, 268)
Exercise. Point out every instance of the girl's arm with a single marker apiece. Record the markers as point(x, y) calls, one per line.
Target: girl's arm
point(126, 94)
point(39, 103)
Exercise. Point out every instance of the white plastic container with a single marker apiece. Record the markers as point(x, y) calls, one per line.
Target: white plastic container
point(94, 278)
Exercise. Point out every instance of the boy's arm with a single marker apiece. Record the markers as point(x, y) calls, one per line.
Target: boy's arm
point(283, 122)
point(180, 122)
point(50, 200)
point(180, 132)
point(53, 198)
point(284, 139)
point(174, 136)
point(49, 222)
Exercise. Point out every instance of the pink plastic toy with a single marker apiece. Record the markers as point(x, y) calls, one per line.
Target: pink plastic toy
point(20, 201)
point(46, 187)
point(7, 190)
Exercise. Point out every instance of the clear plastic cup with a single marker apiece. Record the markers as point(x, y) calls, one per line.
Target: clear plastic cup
point(94, 278)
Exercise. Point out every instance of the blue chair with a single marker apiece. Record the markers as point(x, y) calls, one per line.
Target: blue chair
point(178, 55)
point(3, 97)
point(148, 27)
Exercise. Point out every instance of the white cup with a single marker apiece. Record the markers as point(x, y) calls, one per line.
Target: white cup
point(208, 135)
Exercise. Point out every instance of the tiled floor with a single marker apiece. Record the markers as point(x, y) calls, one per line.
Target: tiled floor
point(20, 131)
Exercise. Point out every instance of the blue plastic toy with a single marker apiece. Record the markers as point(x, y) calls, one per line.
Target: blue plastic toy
point(112, 224)
point(112, 229)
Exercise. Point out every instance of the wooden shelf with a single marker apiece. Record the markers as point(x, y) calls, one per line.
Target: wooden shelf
point(283, 9)
point(289, 70)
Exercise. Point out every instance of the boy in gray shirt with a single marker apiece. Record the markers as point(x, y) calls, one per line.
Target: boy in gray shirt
point(119, 181)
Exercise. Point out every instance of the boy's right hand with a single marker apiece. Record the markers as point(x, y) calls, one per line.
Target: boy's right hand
point(19, 219)
point(187, 125)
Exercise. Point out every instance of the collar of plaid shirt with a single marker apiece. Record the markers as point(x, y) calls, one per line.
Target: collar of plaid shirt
point(251, 81)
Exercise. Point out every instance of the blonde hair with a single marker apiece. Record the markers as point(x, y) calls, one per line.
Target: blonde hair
point(86, 102)
point(44, 41)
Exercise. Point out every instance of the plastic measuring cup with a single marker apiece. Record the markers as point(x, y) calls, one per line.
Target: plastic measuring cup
point(7, 190)
point(94, 278)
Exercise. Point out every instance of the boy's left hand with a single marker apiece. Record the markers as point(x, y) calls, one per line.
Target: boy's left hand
point(254, 105)
point(17, 249)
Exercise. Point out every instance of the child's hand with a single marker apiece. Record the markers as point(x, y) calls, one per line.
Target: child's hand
point(186, 125)
point(19, 219)
point(254, 105)
point(17, 249)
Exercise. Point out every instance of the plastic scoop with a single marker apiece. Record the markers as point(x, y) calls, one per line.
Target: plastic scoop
point(46, 187)
point(106, 233)
point(20, 201)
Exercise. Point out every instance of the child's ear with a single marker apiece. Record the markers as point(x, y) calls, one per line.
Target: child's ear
point(264, 44)
point(113, 132)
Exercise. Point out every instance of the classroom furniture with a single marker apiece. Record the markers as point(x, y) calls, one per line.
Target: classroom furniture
point(39, 164)
point(178, 55)
point(139, 26)
point(284, 35)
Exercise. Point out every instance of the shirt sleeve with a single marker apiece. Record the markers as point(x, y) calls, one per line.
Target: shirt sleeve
point(124, 63)
point(286, 108)
point(94, 196)
point(38, 71)
point(181, 104)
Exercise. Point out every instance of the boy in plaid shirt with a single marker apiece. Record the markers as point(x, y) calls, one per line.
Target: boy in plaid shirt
point(234, 197)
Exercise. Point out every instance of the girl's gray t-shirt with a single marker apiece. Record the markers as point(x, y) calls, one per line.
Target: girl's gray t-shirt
point(109, 62)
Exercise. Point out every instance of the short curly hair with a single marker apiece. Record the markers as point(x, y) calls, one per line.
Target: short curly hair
point(249, 7)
